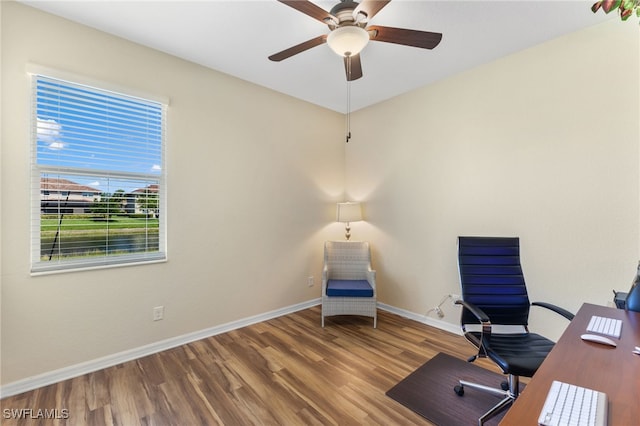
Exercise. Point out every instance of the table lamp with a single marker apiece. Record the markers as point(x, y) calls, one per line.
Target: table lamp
point(347, 213)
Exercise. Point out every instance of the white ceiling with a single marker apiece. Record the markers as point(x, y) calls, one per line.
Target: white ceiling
point(237, 36)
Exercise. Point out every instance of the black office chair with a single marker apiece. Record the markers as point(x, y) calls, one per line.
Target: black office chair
point(494, 292)
point(632, 303)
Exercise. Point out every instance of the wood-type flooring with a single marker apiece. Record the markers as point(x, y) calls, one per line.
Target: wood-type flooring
point(284, 371)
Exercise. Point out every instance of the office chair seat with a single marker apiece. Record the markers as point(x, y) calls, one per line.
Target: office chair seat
point(519, 354)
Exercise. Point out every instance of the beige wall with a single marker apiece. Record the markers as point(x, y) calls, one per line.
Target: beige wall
point(252, 180)
point(542, 144)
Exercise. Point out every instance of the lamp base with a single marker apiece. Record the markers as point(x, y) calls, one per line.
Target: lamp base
point(347, 231)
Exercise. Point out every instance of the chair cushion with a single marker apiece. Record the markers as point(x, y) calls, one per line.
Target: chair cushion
point(349, 288)
point(520, 354)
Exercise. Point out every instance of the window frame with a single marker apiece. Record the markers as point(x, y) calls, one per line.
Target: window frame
point(108, 260)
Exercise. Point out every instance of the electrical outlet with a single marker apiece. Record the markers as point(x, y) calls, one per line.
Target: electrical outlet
point(310, 281)
point(158, 313)
point(439, 312)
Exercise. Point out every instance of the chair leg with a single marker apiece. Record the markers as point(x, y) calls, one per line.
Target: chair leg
point(494, 391)
point(496, 409)
point(509, 395)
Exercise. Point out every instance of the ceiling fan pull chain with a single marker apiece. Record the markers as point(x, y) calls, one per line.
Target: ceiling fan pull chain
point(348, 118)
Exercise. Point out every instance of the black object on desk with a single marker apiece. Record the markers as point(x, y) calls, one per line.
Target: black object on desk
point(620, 299)
point(630, 300)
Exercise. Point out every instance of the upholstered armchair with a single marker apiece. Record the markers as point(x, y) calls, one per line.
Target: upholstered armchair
point(348, 281)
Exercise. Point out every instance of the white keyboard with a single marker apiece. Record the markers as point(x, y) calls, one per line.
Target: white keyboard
point(571, 405)
point(607, 326)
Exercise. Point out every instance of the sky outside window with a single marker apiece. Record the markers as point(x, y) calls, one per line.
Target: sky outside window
point(85, 129)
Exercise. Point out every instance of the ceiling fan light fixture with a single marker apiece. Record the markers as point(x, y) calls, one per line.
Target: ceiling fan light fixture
point(348, 40)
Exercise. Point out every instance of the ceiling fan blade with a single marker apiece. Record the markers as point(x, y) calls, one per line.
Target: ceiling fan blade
point(415, 38)
point(298, 48)
point(353, 67)
point(308, 9)
point(370, 7)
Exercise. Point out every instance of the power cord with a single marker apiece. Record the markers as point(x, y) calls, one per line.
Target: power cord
point(438, 309)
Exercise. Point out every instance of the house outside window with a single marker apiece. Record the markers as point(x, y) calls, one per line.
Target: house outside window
point(98, 179)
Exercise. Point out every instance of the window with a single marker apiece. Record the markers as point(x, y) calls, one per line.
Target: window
point(98, 187)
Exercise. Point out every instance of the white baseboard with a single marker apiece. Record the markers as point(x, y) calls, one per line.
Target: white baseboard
point(442, 325)
point(76, 370)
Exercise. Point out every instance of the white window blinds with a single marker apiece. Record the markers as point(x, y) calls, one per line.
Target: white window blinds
point(98, 187)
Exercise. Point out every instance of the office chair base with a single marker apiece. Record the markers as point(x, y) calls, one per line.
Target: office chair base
point(508, 395)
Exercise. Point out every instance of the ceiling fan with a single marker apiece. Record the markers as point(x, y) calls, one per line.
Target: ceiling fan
point(349, 33)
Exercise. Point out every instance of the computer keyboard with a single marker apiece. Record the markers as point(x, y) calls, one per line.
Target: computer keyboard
point(607, 326)
point(569, 405)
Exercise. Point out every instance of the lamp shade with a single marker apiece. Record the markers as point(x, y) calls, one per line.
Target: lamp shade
point(348, 40)
point(348, 212)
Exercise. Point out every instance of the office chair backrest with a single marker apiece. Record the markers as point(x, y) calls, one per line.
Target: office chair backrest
point(347, 260)
point(491, 278)
point(632, 302)
point(633, 299)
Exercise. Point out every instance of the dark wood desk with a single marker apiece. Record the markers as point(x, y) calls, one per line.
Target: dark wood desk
point(614, 371)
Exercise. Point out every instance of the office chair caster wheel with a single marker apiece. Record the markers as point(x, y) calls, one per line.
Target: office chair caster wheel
point(504, 386)
point(459, 390)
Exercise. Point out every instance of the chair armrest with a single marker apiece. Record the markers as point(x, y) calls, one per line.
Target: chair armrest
point(558, 310)
point(371, 278)
point(483, 319)
point(325, 277)
point(477, 312)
